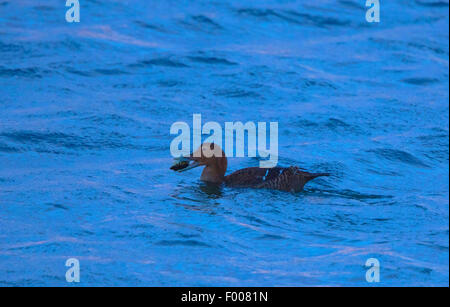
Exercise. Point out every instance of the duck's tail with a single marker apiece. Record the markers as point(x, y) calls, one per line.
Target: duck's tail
point(311, 176)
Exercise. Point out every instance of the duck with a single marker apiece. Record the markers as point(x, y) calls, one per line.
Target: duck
point(215, 163)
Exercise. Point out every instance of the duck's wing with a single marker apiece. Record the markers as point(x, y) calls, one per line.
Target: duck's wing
point(253, 176)
point(277, 178)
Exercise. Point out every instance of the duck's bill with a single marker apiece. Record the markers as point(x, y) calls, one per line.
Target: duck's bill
point(183, 164)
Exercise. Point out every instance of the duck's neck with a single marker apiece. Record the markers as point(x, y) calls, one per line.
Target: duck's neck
point(212, 174)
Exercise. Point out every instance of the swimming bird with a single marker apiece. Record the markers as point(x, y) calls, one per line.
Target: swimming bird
point(212, 157)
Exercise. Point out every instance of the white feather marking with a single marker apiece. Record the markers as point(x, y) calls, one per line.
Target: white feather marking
point(264, 178)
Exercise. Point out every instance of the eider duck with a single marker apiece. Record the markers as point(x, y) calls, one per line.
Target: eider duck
point(290, 179)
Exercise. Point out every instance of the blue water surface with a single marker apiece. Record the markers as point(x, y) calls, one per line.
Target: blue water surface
point(85, 113)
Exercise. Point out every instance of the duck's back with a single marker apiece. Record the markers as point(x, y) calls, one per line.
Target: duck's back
point(253, 176)
point(278, 178)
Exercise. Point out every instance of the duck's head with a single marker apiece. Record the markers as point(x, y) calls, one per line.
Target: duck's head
point(209, 155)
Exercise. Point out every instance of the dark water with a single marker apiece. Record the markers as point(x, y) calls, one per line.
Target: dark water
point(85, 112)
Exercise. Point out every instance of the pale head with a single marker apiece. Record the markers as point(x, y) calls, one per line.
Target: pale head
point(212, 157)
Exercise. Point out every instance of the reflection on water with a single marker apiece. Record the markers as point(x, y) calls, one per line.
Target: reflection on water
point(213, 191)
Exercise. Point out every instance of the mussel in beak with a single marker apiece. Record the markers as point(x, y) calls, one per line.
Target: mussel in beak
point(183, 164)
point(179, 165)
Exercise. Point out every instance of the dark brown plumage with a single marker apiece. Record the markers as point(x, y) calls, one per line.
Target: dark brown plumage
point(290, 179)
